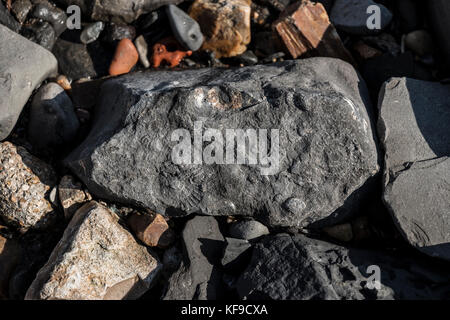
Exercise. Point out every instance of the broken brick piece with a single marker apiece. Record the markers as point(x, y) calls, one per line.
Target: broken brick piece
point(170, 51)
point(306, 31)
point(152, 230)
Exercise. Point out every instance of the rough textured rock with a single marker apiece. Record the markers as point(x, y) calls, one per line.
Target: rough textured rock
point(25, 182)
point(225, 25)
point(285, 267)
point(326, 146)
point(71, 195)
point(306, 31)
point(248, 230)
point(53, 122)
point(198, 277)
point(96, 259)
point(19, 75)
point(21, 8)
point(413, 128)
point(351, 16)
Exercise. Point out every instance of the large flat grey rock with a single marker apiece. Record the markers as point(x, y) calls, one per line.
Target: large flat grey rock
point(23, 66)
point(285, 267)
point(327, 152)
point(96, 259)
point(414, 129)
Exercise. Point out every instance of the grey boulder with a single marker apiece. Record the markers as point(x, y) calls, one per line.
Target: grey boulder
point(198, 278)
point(294, 267)
point(413, 126)
point(96, 259)
point(52, 122)
point(319, 108)
point(23, 66)
point(352, 16)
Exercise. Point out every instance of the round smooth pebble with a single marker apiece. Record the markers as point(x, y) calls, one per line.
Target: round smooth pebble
point(420, 42)
point(247, 230)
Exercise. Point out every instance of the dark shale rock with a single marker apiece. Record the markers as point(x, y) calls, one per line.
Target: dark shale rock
point(19, 75)
point(414, 129)
point(53, 122)
point(185, 29)
point(327, 152)
point(7, 19)
point(285, 267)
point(51, 14)
point(41, 33)
point(439, 17)
point(236, 254)
point(198, 277)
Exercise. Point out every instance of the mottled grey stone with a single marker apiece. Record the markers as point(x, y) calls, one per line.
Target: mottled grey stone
point(285, 267)
point(198, 277)
point(23, 66)
point(53, 122)
point(96, 259)
point(414, 129)
point(326, 145)
point(248, 229)
point(351, 16)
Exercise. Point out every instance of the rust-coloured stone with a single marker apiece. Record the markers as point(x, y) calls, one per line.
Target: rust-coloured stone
point(225, 25)
point(152, 230)
point(125, 58)
point(306, 31)
point(162, 52)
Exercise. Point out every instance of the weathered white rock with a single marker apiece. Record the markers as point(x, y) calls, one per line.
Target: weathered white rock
point(25, 182)
point(96, 259)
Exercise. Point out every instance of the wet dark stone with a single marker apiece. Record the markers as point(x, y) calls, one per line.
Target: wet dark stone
point(52, 14)
point(7, 19)
point(42, 33)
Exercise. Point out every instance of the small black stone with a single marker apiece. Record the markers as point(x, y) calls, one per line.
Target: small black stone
point(42, 33)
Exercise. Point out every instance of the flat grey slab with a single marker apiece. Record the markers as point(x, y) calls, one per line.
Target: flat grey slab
point(414, 130)
point(23, 66)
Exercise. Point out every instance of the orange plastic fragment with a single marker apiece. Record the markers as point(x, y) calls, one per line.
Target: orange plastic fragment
point(169, 51)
